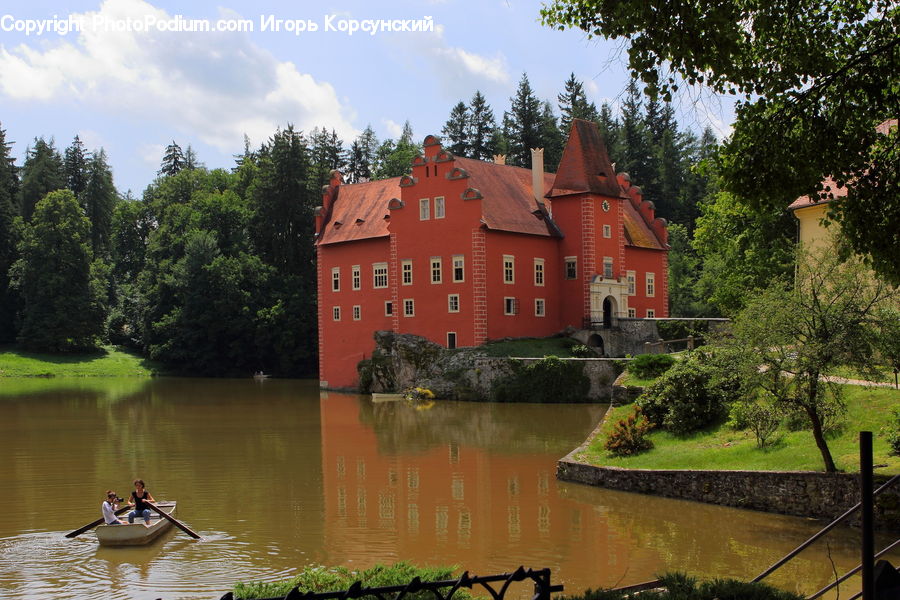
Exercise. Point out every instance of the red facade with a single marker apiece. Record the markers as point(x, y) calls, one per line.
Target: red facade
point(463, 251)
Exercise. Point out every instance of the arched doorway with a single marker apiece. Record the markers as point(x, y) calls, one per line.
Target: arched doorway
point(609, 311)
point(596, 342)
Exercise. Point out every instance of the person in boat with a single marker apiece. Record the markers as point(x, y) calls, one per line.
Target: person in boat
point(109, 507)
point(139, 499)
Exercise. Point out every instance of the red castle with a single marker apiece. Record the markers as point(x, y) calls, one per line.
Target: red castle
point(463, 251)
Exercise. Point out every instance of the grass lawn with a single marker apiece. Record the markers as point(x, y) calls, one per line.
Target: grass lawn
point(110, 361)
point(721, 448)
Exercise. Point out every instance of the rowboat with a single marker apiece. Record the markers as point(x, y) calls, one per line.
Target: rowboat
point(137, 533)
point(384, 397)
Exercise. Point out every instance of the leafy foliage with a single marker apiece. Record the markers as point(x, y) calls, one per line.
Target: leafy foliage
point(648, 366)
point(893, 434)
point(761, 417)
point(629, 435)
point(679, 586)
point(685, 399)
point(549, 380)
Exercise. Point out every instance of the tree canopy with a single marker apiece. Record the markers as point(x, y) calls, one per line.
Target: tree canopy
point(814, 80)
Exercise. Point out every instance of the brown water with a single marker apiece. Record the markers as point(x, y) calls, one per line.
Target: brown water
point(276, 476)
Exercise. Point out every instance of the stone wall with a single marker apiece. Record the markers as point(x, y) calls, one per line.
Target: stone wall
point(601, 372)
point(803, 494)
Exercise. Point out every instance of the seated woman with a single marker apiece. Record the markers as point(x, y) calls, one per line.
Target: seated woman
point(139, 498)
point(108, 508)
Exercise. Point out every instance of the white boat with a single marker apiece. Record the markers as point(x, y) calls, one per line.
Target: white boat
point(383, 397)
point(137, 533)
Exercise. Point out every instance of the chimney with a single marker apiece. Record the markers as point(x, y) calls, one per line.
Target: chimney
point(499, 159)
point(537, 175)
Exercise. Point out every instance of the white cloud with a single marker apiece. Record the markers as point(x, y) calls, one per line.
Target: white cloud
point(217, 90)
point(151, 154)
point(393, 128)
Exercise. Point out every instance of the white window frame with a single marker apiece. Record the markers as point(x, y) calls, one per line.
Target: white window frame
point(355, 277)
point(651, 313)
point(459, 266)
point(509, 269)
point(439, 207)
point(540, 307)
point(510, 305)
point(650, 279)
point(539, 272)
point(455, 339)
point(571, 260)
point(357, 312)
point(409, 307)
point(335, 313)
point(631, 278)
point(607, 231)
point(335, 279)
point(632, 313)
point(452, 299)
point(388, 308)
point(608, 267)
point(406, 272)
point(379, 271)
point(436, 269)
point(424, 209)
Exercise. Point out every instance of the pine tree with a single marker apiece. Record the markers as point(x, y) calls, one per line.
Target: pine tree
point(635, 150)
point(173, 161)
point(573, 104)
point(99, 201)
point(362, 156)
point(76, 167)
point(481, 129)
point(326, 154)
point(522, 124)
point(9, 184)
point(395, 159)
point(191, 161)
point(457, 129)
point(610, 131)
point(551, 139)
point(42, 173)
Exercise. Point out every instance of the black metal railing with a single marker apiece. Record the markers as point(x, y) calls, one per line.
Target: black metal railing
point(541, 578)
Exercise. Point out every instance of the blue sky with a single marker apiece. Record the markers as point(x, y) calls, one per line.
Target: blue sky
point(132, 92)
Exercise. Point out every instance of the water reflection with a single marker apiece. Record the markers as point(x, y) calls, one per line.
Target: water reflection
point(276, 477)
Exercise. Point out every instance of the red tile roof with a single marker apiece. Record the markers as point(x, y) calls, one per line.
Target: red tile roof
point(585, 165)
point(637, 232)
point(360, 209)
point(507, 200)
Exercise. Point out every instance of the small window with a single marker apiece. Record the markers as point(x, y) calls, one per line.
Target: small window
point(510, 306)
point(388, 308)
point(424, 209)
point(451, 339)
point(632, 313)
point(335, 279)
point(406, 273)
point(651, 314)
point(336, 313)
point(409, 307)
point(509, 269)
point(459, 271)
point(607, 231)
point(607, 267)
point(651, 285)
point(356, 278)
point(539, 271)
point(453, 303)
point(436, 276)
point(571, 267)
point(357, 312)
point(379, 275)
point(439, 207)
point(629, 276)
point(539, 307)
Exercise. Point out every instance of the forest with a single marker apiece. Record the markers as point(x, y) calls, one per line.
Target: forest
point(212, 270)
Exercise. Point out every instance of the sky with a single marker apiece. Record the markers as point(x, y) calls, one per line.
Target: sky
point(135, 77)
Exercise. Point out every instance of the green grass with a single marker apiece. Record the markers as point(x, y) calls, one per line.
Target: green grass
point(631, 380)
point(721, 448)
point(531, 347)
point(109, 361)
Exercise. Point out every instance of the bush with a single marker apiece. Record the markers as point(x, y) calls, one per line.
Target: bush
point(648, 366)
point(893, 435)
point(549, 380)
point(582, 351)
point(629, 435)
point(684, 399)
point(761, 417)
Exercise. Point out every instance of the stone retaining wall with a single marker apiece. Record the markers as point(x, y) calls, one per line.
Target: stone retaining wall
point(601, 372)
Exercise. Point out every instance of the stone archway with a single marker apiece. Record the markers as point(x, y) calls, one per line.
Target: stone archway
point(610, 309)
point(595, 341)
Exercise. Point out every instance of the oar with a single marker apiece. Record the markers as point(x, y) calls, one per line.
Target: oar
point(90, 526)
point(174, 521)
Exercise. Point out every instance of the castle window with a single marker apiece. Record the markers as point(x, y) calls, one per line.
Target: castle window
point(607, 231)
point(357, 312)
point(388, 308)
point(630, 278)
point(632, 313)
point(406, 273)
point(539, 307)
point(453, 303)
point(436, 276)
point(651, 285)
point(335, 279)
point(571, 267)
point(651, 314)
point(451, 339)
point(509, 269)
point(439, 207)
point(510, 306)
point(409, 307)
point(355, 277)
point(379, 275)
point(336, 313)
point(607, 267)
point(459, 273)
point(424, 209)
point(539, 271)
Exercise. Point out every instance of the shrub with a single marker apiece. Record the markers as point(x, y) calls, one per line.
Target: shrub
point(648, 366)
point(582, 351)
point(629, 435)
point(894, 433)
point(684, 399)
point(761, 417)
point(549, 380)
